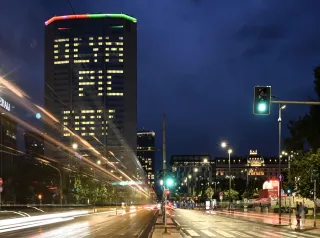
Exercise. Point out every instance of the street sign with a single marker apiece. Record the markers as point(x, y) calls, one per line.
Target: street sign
point(1, 181)
point(281, 177)
point(1, 189)
point(221, 194)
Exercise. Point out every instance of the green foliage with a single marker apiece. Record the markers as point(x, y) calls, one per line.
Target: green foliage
point(301, 168)
point(306, 129)
point(234, 194)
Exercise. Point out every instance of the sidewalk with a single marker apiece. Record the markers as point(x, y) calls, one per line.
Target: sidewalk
point(159, 228)
point(269, 219)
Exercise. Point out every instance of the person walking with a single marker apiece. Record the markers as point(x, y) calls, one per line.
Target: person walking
point(298, 214)
point(302, 214)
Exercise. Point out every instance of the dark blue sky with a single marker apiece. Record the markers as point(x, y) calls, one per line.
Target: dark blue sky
point(198, 61)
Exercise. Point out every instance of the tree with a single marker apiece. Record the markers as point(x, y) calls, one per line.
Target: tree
point(306, 129)
point(234, 194)
point(301, 168)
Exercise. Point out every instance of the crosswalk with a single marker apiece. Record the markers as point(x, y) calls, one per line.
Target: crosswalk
point(268, 233)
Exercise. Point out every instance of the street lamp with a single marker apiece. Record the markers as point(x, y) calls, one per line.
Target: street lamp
point(75, 146)
point(224, 145)
point(279, 121)
point(99, 162)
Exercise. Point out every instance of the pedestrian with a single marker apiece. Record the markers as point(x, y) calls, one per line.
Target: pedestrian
point(302, 214)
point(298, 214)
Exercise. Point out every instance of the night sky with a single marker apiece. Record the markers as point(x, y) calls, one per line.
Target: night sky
point(198, 61)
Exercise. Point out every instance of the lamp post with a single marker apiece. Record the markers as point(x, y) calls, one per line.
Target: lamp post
point(224, 145)
point(279, 122)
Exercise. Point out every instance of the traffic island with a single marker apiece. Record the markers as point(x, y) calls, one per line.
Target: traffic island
point(159, 228)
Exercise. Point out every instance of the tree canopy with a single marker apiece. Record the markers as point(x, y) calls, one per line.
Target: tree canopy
point(306, 129)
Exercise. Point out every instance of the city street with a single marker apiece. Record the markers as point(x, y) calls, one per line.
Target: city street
point(199, 224)
point(133, 224)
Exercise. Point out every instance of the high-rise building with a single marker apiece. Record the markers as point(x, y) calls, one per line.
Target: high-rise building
point(34, 144)
point(91, 78)
point(146, 153)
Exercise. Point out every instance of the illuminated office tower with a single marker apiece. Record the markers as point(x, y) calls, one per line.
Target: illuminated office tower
point(91, 77)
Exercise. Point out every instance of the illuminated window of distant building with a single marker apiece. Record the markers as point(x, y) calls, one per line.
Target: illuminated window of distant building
point(75, 56)
point(77, 128)
point(100, 43)
point(120, 55)
point(107, 54)
point(108, 43)
point(56, 57)
point(108, 82)
point(100, 38)
point(75, 39)
point(120, 60)
point(56, 51)
point(121, 49)
point(90, 38)
point(120, 38)
point(114, 49)
point(66, 45)
point(81, 94)
point(91, 43)
point(61, 62)
point(95, 49)
point(110, 116)
point(100, 82)
point(95, 60)
point(75, 44)
point(109, 88)
point(107, 60)
point(107, 49)
point(56, 46)
point(109, 77)
point(75, 50)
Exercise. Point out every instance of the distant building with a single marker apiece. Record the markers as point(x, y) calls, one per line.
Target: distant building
point(146, 153)
point(91, 79)
point(34, 144)
point(252, 166)
point(193, 173)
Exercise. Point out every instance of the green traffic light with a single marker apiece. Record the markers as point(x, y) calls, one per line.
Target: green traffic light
point(169, 182)
point(289, 191)
point(262, 107)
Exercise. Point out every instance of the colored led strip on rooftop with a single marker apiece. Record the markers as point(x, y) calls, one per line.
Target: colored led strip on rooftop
point(84, 16)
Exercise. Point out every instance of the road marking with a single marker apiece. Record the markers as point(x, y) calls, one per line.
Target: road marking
point(224, 233)
point(240, 234)
point(208, 233)
point(269, 233)
point(286, 234)
point(192, 233)
point(302, 234)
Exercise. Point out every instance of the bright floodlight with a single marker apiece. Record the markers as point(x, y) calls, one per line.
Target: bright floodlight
point(283, 107)
point(169, 182)
point(229, 151)
point(262, 107)
point(38, 115)
point(223, 144)
point(75, 146)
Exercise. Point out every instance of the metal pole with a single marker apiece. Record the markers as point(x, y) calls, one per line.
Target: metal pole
point(165, 214)
point(279, 195)
point(60, 189)
point(229, 182)
point(315, 203)
point(164, 148)
point(289, 178)
point(295, 102)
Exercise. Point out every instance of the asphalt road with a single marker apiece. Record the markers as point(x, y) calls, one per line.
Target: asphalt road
point(136, 224)
point(200, 224)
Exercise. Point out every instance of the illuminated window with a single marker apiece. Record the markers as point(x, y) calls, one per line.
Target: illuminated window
point(112, 110)
point(81, 61)
point(115, 71)
point(120, 55)
point(56, 57)
point(100, 77)
point(75, 44)
point(107, 37)
point(80, 89)
point(107, 60)
point(61, 40)
point(115, 94)
point(76, 123)
point(65, 123)
point(75, 50)
point(66, 112)
point(75, 39)
point(86, 83)
point(100, 82)
point(107, 54)
point(76, 128)
point(87, 111)
point(120, 60)
point(119, 43)
point(56, 51)
point(91, 134)
point(114, 49)
point(92, 117)
point(95, 55)
point(109, 82)
point(83, 134)
point(99, 111)
point(66, 45)
point(81, 94)
point(109, 88)
point(83, 117)
point(65, 117)
point(107, 49)
point(66, 134)
point(108, 43)
point(100, 43)
point(67, 50)
point(100, 94)
point(110, 116)
point(120, 38)
point(109, 77)
point(90, 38)
point(95, 49)
point(92, 77)
point(100, 38)
point(121, 49)
point(100, 88)
point(91, 43)
point(56, 46)
point(87, 72)
point(95, 60)
point(75, 56)
point(61, 62)
point(66, 56)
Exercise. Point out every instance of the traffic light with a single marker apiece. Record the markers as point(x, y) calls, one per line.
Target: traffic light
point(169, 182)
point(262, 100)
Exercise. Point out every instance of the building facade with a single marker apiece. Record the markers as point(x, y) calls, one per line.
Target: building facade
point(251, 167)
point(91, 78)
point(193, 173)
point(146, 153)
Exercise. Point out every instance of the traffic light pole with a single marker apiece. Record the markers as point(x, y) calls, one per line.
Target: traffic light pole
point(296, 102)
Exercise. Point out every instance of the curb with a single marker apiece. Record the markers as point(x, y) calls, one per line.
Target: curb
point(149, 225)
